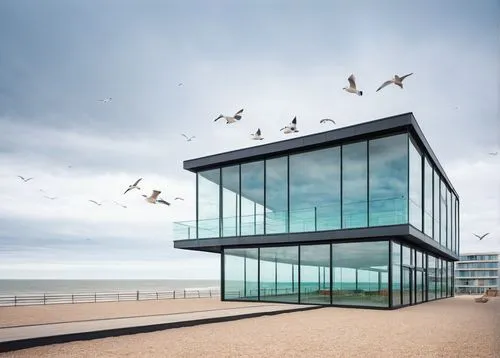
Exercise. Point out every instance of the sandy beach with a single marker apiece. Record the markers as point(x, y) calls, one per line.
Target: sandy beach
point(456, 327)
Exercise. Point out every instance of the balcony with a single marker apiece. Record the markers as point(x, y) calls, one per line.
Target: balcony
point(321, 218)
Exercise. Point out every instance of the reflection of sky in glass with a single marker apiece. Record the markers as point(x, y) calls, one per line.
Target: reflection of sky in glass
point(276, 195)
point(428, 215)
point(415, 187)
point(230, 200)
point(437, 230)
point(208, 203)
point(354, 185)
point(388, 183)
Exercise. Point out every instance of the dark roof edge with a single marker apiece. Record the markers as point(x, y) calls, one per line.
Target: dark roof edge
point(308, 141)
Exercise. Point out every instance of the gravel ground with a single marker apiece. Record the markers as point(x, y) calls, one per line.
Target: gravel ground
point(456, 327)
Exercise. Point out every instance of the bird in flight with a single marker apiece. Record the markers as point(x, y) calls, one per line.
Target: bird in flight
point(24, 179)
point(153, 198)
point(179, 198)
point(96, 203)
point(188, 139)
point(493, 153)
point(50, 197)
point(257, 135)
point(231, 119)
point(396, 80)
point(105, 100)
point(133, 186)
point(180, 84)
point(290, 128)
point(324, 120)
point(123, 206)
point(481, 237)
point(352, 86)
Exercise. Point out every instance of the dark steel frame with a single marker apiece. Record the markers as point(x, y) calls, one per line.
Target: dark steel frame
point(442, 269)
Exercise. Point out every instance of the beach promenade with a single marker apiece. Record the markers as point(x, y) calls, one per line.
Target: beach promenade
point(456, 327)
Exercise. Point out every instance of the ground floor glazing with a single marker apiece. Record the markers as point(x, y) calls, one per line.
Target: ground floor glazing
point(382, 274)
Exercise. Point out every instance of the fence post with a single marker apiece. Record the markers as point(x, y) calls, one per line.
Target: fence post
point(184, 293)
point(15, 300)
point(44, 299)
point(210, 292)
point(118, 296)
point(157, 296)
point(137, 298)
point(72, 298)
point(174, 294)
point(95, 297)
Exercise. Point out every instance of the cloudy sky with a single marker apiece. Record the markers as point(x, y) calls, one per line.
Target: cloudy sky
point(276, 59)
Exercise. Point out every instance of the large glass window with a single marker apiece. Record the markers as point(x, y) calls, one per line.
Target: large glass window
point(443, 218)
point(360, 274)
point(457, 226)
point(279, 274)
point(252, 198)
point(415, 187)
point(428, 203)
point(240, 274)
point(354, 185)
point(431, 278)
point(277, 195)
point(448, 221)
point(208, 204)
point(315, 274)
point(396, 274)
point(406, 272)
point(388, 181)
point(315, 190)
point(452, 219)
point(231, 201)
point(436, 208)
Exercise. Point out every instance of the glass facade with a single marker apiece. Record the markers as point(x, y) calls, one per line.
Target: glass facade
point(378, 182)
point(354, 185)
point(315, 190)
point(396, 274)
point(388, 180)
point(415, 202)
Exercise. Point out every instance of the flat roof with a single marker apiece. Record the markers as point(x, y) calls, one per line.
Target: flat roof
point(404, 122)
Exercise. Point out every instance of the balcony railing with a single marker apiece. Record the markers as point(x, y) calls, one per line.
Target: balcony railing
point(382, 212)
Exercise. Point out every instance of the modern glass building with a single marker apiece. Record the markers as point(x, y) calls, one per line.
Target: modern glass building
point(358, 216)
point(477, 272)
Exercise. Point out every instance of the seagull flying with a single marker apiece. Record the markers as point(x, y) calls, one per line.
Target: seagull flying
point(180, 84)
point(123, 206)
point(291, 128)
point(179, 198)
point(188, 139)
point(481, 237)
point(257, 135)
point(396, 80)
point(23, 179)
point(105, 100)
point(133, 186)
point(229, 119)
point(96, 203)
point(324, 120)
point(493, 153)
point(50, 197)
point(153, 198)
point(352, 86)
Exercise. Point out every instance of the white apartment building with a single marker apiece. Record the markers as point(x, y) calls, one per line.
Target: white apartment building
point(476, 272)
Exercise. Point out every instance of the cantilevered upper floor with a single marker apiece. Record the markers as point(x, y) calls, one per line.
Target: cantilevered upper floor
point(344, 183)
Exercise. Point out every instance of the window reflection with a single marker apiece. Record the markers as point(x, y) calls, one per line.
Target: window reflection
point(230, 200)
point(208, 203)
point(277, 195)
point(252, 198)
point(415, 187)
point(354, 185)
point(396, 274)
point(279, 274)
point(428, 203)
point(388, 182)
point(240, 274)
point(315, 274)
point(360, 274)
point(315, 190)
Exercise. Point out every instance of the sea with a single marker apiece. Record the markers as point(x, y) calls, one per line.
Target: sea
point(23, 287)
